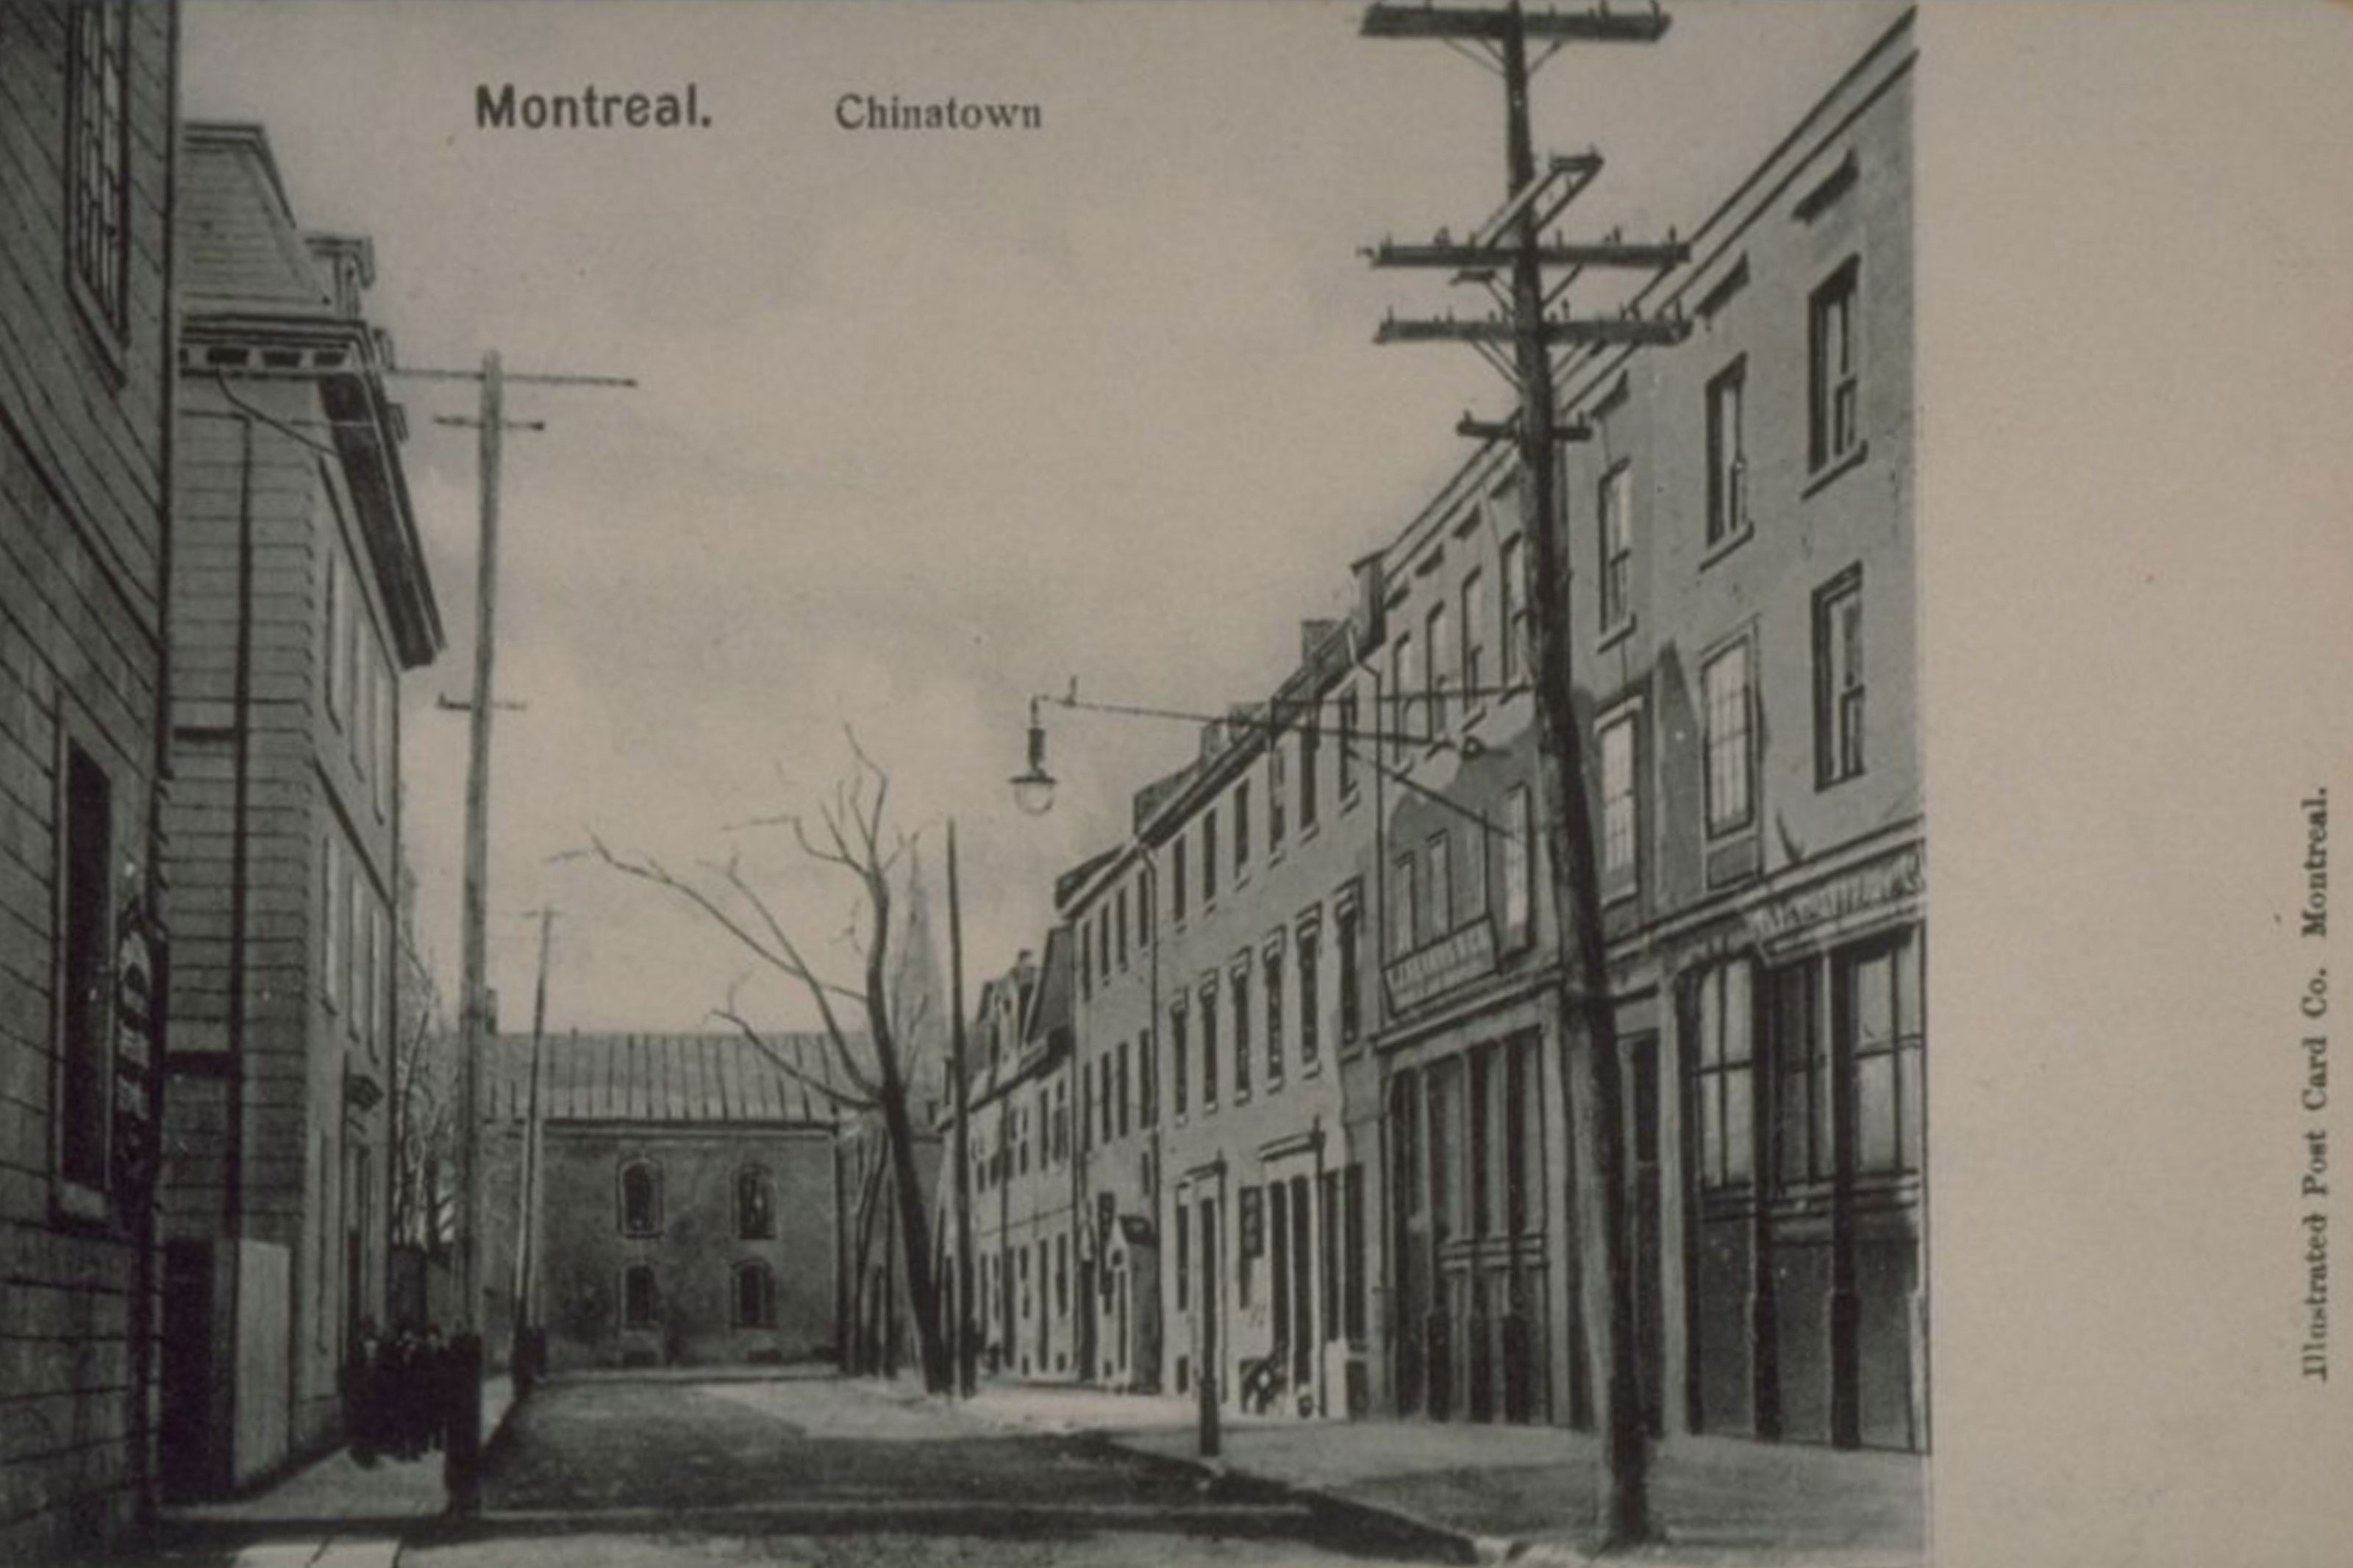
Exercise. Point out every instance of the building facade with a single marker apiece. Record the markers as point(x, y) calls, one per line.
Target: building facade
point(85, 114)
point(1320, 1059)
point(301, 598)
point(679, 1207)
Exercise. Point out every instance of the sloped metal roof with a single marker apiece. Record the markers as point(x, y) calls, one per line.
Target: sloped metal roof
point(656, 1077)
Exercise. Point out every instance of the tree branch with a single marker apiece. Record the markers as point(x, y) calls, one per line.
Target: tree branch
point(776, 1058)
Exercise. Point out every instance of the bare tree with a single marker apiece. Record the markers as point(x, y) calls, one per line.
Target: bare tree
point(424, 1089)
point(867, 1076)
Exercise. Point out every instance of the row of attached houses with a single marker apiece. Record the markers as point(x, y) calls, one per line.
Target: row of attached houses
point(1284, 1104)
point(210, 587)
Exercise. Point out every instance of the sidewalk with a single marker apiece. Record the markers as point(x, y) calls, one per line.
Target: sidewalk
point(334, 1512)
point(1527, 1493)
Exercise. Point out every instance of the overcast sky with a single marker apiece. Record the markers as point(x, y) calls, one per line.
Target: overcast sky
point(928, 422)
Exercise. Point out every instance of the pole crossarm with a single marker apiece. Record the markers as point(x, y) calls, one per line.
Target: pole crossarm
point(1509, 429)
point(534, 378)
point(1640, 256)
point(1606, 330)
point(1599, 24)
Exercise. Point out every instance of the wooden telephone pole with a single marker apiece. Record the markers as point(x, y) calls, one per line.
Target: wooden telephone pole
point(474, 988)
point(1510, 246)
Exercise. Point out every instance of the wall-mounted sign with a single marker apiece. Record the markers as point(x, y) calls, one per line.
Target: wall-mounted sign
point(1881, 882)
point(1253, 1221)
point(134, 1132)
point(1432, 970)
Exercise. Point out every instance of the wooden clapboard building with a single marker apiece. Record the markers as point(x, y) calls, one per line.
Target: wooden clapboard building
point(300, 598)
point(86, 112)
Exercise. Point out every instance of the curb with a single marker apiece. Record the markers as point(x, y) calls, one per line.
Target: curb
point(1364, 1525)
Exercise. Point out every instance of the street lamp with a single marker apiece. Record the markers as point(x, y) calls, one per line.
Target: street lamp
point(1033, 792)
point(1033, 789)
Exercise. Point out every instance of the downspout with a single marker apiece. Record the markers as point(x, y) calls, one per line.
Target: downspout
point(145, 1360)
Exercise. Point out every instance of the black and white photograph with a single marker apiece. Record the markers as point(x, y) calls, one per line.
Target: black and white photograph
point(1100, 782)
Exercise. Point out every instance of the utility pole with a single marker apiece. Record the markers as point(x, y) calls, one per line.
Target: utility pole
point(521, 1364)
point(474, 1002)
point(968, 1349)
point(1511, 243)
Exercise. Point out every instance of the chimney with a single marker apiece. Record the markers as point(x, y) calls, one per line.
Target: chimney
point(1213, 739)
point(1369, 578)
point(1310, 637)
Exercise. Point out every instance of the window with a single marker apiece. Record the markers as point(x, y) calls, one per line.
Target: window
point(1176, 878)
point(1311, 745)
point(1837, 678)
point(1278, 798)
point(1208, 855)
point(86, 1030)
point(1512, 590)
point(101, 202)
point(1178, 1080)
point(1802, 1149)
point(1242, 827)
point(1617, 540)
point(1209, 1044)
point(1724, 690)
point(1119, 923)
point(1239, 980)
point(1834, 395)
point(1349, 727)
point(356, 945)
point(1474, 642)
point(1405, 681)
point(1143, 913)
point(1727, 1106)
point(1440, 865)
point(1062, 1273)
point(1402, 914)
point(1311, 1013)
point(1621, 819)
point(1148, 1081)
point(640, 1199)
point(1518, 846)
point(639, 1307)
point(1271, 966)
point(1086, 1106)
point(1120, 1093)
point(330, 893)
point(1727, 463)
point(756, 1296)
point(1184, 1260)
point(755, 1204)
point(1346, 920)
point(1881, 1021)
point(387, 703)
point(1434, 646)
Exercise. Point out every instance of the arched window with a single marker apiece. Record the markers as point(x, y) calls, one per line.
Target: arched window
point(755, 1204)
point(639, 1306)
point(640, 1199)
point(756, 1296)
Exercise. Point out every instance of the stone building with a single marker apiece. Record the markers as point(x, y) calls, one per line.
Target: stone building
point(301, 598)
point(87, 106)
point(682, 1201)
point(1329, 942)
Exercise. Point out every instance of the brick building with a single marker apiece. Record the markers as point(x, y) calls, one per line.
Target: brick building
point(299, 599)
point(87, 107)
point(684, 1209)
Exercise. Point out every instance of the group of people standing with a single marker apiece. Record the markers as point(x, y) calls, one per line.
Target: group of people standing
point(400, 1392)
